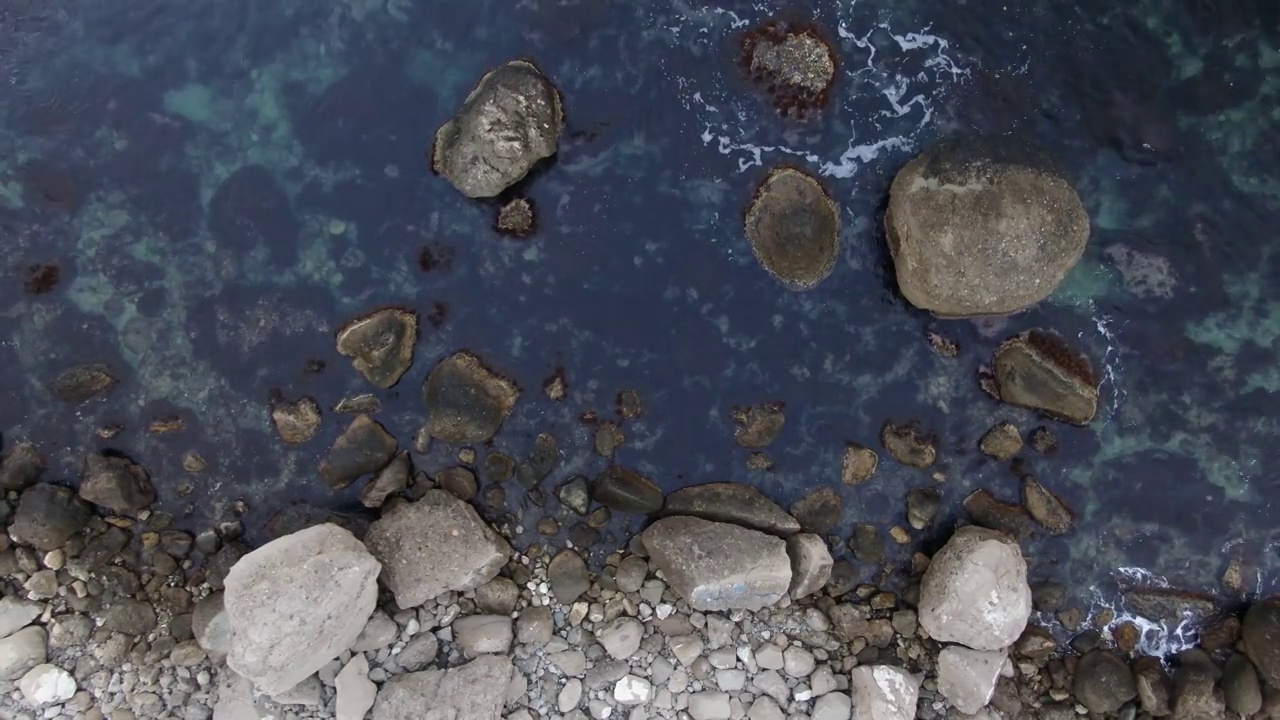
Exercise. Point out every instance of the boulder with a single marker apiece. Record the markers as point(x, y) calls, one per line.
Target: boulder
point(967, 678)
point(296, 603)
point(1195, 692)
point(433, 546)
point(1261, 634)
point(509, 122)
point(47, 516)
point(982, 227)
point(731, 503)
point(364, 448)
point(811, 564)
point(623, 490)
point(356, 692)
point(1039, 371)
point(884, 692)
point(380, 344)
point(115, 483)
point(1152, 685)
point(468, 692)
point(22, 651)
point(47, 685)
point(975, 591)
point(16, 613)
point(1103, 682)
point(718, 566)
point(793, 227)
point(466, 401)
point(21, 467)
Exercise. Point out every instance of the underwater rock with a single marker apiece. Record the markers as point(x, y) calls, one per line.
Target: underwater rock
point(390, 480)
point(819, 511)
point(250, 210)
point(793, 228)
point(366, 403)
point(499, 467)
point(81, 383)
point(858, 465)
point(608, 439)
point(1044, 441)
point(629, 405)
point(941, 345)
point(297, 421)
point(510, 121)
point(365, 447)
point(466, 401)
point(459, 481)
point(516, 218)
point(1047, 508)
point(989, 512)
point(758, 425)
point(557, 386)
point(795, 64)
point(626, 491)
point(922, 506)
point(866, 544)
point(116, 483)
point(718, 566)
point(1169, 605)
point(1001, 442)
point(731, 503)
point(541, 461)
point(380, 344)
point(908, 446)
point(21, 467)
point(982, 227)
point(759, 462)
point(1038, 370)
point(576, 495)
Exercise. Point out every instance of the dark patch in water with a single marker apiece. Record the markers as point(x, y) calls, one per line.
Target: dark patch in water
point(41, 279)
point(435, 258)
point(250, 209)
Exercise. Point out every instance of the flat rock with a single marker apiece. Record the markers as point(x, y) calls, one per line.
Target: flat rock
point(718, 566)
point(908, 445)
point(975, 591)
point(1038, 370)
point(811, 564)
point(731, 503)
point(296, 421)
point(1103, 682)
point(568, 577)
point(466, 401)
point(819, 511)
point(483, 634)
point(756, 426)
point(16, 613)
point(82, 383)
point(22, 651)
point(115, 483)
point(858, 464)
point(1001, 442)
point(380, 344)
point(390, 480)
point(967, 678)
point(793, 227)
point(433, 546)
point(987, 511)
point(21, 467)
point(623, 490)
point(1046, 508)
point(509, 122)
point(297, 602)
point(364, 448)
point(883, 692)
point(466, 692)
point(620, 637)
point(47, 516)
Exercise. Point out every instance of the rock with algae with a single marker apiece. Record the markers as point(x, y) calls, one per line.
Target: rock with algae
point(793, 227)
point(466, 401)
point(380, 344)
point(1038, 370)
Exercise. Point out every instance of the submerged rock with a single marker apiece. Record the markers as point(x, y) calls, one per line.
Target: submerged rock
point(510, 121)
point(922, 505)
point(1170, 605)
point(116, 483)
point(795, 64)
point(758, 425)
point(731, 503)
point(1261, 634)
point(21, 467)
point(908, 446)
point(982, 227)
point(82, 383)
point(718, 566)
point(466, 401)
point(296, 422)
point(1037, 370)
point(47, 516)
point(1001, 442)
point(793, 227)
point(575, 495)
point(858, 464)
point(819, 511)
point(474, 691)
point(380, 344)
point(390, 480)
point(1047, 508)
point(623, 490)
point(365, 447)
point(975, 591)
point(989, 512)
point(516, 218)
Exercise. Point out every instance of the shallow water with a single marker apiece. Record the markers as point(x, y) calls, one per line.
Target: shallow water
point(222, 185)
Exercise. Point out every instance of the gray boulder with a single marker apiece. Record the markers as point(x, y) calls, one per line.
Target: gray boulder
point(967, 678)
point(975, 591)
point(483, 634)
point(884, 692)
point(718, 566)
point(732, 503)
point(211, 627)
point(22, 651)
point(433, 546)
point(468, 692)
point(16, 613)
point(297, 602)
point(47, 516)
point(811, 564)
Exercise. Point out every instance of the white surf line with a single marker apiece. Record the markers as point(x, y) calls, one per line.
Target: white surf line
point(1155, 638)
point(1104, 323)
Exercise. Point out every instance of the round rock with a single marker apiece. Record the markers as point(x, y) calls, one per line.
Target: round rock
point(466, 401)
point(793, 227)
point(975, 591)
point(1103, 682)
point(1261, 634)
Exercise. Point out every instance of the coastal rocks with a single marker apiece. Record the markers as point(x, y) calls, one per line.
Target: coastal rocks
point(568, 577)
point(624, 490)
point(116, 483)
point(819, 511)
point(1195, 691)
point(510, 121)
point(1045, 507)
point(21, 467)
point(1039, 371)
point(297, 602)
point(795, 64)
point(433, 546)
point(380, 344)
point(1152, 685)
point(1261, 634)
point(758, 425)
point(982, 228)
point(516, 218)
point(967, 678)
point(908, 445)
point(1103, 682)
point(47, 516)
point(466, 401)
point(365, 447)
point(390, 480)
point(975, 591)
point(811, 564)
point(858, 464)
point(47, 685)
point(922, 506)
point(884, 692)
point(1001, 442)
point(82, 383)
point(731, 503)
point(793, 227)
point(471, 692)
point(296, 422)
point(717, 566)
point(22, 651)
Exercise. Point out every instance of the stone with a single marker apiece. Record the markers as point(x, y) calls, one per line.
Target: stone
point(883, 692)
point(465, 692)
point(922, 506)
point(129, 617)
point(187, 654)
point(307, 693)
point(570, 695)
point(535, 626)
point(987, 511)
point(567, 574)
point(572, 663)
point(47, 685)
point(21, 467)
point(981, 226)
point(1171, 605)
point(811, 564)
point(717, 566)
point(832, 706)
point(22, 651)
point(82, 383)
point(621, 637)
point(1001, 442)
point(1261, 634)
point(731, 503)
point(794, 64)
point(764, 708)
point(356, 404)
point(506, 125)
point(1045, 507)
point(623, 490)
point(632, 690)
point(819, 511)
point(731, 680)
point(797, 662)
point(1103, 682)
point(1240, 687)
point(498, 596)
point(47, 516)
point(211, 627)
point(516, 217)
point(709, 705)
point(631, 573)
point(758, 425)
point(419, 652)
point(575, 495)
point(390, 480)
point(1195, 692)
point(464, 552)
point(380, 344)
point(16, 613)
point(793, 227)
point(115, 483)
point(975, 591)
point(866, 543)
point(858, 464)
point(466, 401)
point(1039, 371)
point(379, 632)
point(483, 634)
point(297, 602)
point(1152, 685)
point(908, 445)
point(295, 421)
point(967, 678)
point(364, 448)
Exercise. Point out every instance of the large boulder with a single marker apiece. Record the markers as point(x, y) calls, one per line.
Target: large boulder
point(296, 603)
point(433, 546)
point(732, 503)
point(466, 401)
point(1261, 634)
point(793, 227)
point(474, 691)
point(718, 566)
point(47, 516)
point(975, 591)
point(510, 121)
point(982, 227)
point(22, 651)
point(884, 692)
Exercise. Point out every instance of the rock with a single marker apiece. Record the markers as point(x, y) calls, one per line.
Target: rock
point(1045, 507)
point(982, 227)
point(1172, 605)
point(355, 404)
point(811, 564)
point(758, 425)
point(731, 503)
point(47, 685)
point(235, 699)
point(187, 654)
point(22, 651)
point(379, 632)
point(390, 480)
point(116, 483)
point(858, 465)
point(567, 574)
point(631, 573)
point(832, 706)
point(465, 692)
point(717, 566)
point(1103, 682)
point(509, 122)
point(1038, 370)
point(1261, 634)
point(211, 626)
point(129, 617)
point(883, 692)
point(464, 552)
point(922, 506)
point(498, 596)
point(82, 383)
point(571, 663)
point(534, 626)
point(621, 637)
point(297, 602)
point(466, 401)
point(632, 690)
point(296, 422)
point(866, 544)
point(1240, 687)
point(967, 678)
point(47, 516)
point(516, 218)
point(1152, 685)
point(797, 662)
point(709, 705)
point(1044, 441)
point(21, 467)
point(483, 634)
point(987, 511)
point(908, 446)
point(975, 591)
point(459, 482)
point(575, 495)
point(623, 490)
point(380, 344)
point(419, 652)
point(307, 693)
point(570, 696)
point(16, 613)
point(819, 511)
point(365, 447)
point(793, 227)
point(1195, 695)
point(1001, 442)
point(764, 708)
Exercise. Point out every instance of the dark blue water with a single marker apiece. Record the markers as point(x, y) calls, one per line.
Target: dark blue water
point(222, 185)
